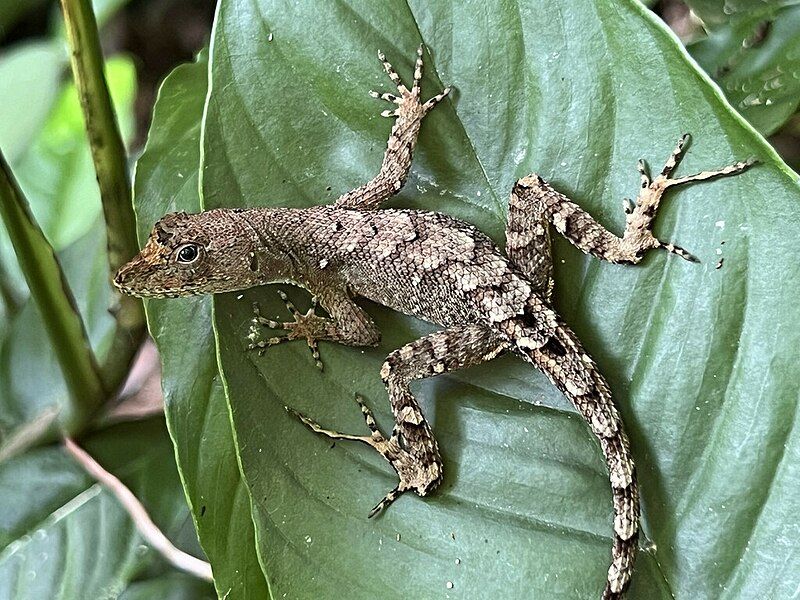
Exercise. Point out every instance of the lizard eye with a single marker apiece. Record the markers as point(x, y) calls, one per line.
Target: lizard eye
point(188, 253)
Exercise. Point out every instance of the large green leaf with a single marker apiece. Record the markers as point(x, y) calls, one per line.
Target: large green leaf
point(701, 359)
point(62, 535)
point(755, 57)
point(167, 180)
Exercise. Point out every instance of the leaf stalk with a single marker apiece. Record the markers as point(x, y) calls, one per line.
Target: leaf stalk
point(113, 176)
point(57, 307)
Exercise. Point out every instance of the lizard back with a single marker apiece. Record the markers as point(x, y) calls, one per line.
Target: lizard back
point(421, 263)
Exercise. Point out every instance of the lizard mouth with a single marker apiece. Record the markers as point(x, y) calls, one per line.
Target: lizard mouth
point(130, 282)
point(155, 292)
point(152, 292)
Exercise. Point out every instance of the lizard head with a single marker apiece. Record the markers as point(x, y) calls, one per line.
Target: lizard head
point(188, 254)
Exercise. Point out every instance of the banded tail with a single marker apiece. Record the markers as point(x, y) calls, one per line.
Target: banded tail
point(561, 357)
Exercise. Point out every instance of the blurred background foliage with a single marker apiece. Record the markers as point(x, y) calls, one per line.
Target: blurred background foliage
point(62, 535)
point(54, 513)
point(752, 50)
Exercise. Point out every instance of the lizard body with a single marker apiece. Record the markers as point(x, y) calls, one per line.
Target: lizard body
point(431, 266)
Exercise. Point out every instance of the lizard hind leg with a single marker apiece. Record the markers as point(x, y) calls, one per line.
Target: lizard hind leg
point(639, 217)
point(534, 203)
point(389, 448)
point(411, 449)
point(528, 240)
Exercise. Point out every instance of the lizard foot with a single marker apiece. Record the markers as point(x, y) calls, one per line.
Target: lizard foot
point(306, 326)
point(641, 214)
point(409, 100)
point(416, 474)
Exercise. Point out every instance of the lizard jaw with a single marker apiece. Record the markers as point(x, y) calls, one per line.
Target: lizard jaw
point(130, 280)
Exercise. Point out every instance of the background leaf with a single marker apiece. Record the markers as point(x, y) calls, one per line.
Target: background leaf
point(701, 359)
point(56, 174)
point(167, 180)
point(61, 534)
point(27, 71)
point(64, 536)
point(717, 12)
point(755, 57)
point(174, 586)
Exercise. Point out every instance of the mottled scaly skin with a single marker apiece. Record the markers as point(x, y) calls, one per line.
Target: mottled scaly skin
point(436, 268)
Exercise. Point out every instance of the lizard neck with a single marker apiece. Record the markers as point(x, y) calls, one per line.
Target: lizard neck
point(274, 233)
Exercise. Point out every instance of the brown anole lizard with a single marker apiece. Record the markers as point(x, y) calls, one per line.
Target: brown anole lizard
point(434, 267)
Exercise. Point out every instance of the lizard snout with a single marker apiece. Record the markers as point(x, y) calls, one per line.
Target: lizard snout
point(126, 275)
point(120, 277)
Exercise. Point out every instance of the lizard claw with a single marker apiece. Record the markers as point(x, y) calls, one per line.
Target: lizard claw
point(684, 254)
point(386, 96)
point(385, 502)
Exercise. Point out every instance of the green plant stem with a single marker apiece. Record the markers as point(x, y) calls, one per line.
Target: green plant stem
point(110, 162)
point(50, 291)
point(8, 294)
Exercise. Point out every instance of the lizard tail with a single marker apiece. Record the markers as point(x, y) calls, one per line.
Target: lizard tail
point(562, 358)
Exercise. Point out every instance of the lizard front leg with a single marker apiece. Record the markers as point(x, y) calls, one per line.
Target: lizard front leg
point(411, 448)
point(397, 158)
point(349, 325)
point(534, 203)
